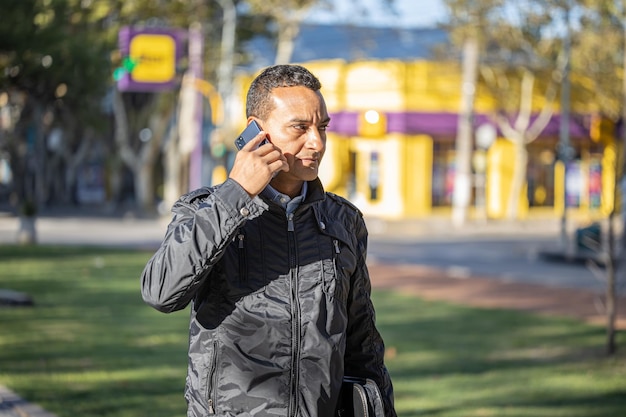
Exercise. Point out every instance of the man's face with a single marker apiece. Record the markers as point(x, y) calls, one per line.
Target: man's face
point(297, 125)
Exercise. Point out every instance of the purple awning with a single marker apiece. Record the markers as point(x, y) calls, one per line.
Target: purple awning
point(344, 123)
point(439, 124)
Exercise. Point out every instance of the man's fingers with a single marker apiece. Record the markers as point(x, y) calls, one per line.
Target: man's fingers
point(255, 167)
point(279, 165)
point(255, 142)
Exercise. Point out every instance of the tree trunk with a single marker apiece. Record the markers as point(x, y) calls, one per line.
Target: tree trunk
point(27, 232)
point(122, 131)
point(611, 275)
point(73, 160)
point(40, 158)
point(144, 172)
point(462, 177)
point(115, 181)
point(611, 279)
point(172, 166)
point(286, 36)
point(229, 28)
point(144, 188)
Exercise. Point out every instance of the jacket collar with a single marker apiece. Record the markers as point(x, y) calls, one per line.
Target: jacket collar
point(315, 192)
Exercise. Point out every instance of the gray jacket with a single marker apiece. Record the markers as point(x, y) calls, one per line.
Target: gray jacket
point(281, 306)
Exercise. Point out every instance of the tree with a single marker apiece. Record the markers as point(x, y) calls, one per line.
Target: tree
point(58, 78)
point(520, 63)
point(601, 56)
point(152, 116)
point(526, 57)
point(53, 63)
point(288, 16)
point(469, 35)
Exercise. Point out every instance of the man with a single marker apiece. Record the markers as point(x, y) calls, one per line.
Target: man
point(274, 269)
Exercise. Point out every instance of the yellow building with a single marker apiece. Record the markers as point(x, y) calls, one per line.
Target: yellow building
point(391, 146)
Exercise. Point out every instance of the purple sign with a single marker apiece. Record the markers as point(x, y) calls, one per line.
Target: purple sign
point(150, 57)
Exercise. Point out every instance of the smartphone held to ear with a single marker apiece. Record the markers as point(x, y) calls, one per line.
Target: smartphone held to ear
point(248, 134)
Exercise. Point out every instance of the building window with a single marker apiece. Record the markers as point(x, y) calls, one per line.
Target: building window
point(443, 173)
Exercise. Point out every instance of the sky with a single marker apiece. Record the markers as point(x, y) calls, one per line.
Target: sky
point(410, 13)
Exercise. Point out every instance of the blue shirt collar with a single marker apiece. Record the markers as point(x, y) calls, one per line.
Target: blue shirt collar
point(286, 202)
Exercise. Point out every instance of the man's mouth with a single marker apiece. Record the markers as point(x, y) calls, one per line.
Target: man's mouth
point(309, 160)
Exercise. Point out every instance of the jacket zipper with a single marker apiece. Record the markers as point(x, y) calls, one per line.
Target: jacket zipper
point(212, 380)
point(337, 253)
point(290, 226)
point(295, 317)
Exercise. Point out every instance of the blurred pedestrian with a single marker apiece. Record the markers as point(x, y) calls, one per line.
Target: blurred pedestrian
point(274, 269)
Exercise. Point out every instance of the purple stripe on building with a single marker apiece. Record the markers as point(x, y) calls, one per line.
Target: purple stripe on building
point(436, 124)
point(344, 123)
point(442, 124)
point(577, 127)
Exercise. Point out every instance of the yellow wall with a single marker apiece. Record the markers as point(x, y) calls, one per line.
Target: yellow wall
point(499, 176)
point(374, 85)
point(608, 178)
point(332, 76)
point(499, 180)
point(406, 161)
point(334, 170)
point(432, 87)
point(417, 178)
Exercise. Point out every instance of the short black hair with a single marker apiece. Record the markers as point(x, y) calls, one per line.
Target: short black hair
point(258, 103)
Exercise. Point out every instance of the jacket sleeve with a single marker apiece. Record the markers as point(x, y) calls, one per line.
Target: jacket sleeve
point(365, 349)
point(203, 223)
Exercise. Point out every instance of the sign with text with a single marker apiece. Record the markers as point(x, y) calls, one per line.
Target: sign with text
point(150, 58)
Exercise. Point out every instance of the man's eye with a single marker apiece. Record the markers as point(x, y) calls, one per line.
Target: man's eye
point(323, 128)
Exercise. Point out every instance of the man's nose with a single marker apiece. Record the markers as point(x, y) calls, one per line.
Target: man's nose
point(315, 140)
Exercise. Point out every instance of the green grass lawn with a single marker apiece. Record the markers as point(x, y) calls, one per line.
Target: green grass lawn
point(91, 347)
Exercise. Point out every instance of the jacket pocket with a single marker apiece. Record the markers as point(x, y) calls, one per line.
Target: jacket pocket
point(211, 380)
point(243, 263)
point(335, 278)
point(330, 272)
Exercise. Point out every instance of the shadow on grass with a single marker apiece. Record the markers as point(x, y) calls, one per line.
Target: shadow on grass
point(91, 347)
point(602, 405)
point(470, 361)
point(37, 252)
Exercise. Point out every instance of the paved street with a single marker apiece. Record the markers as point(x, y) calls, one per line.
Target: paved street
point(87, 230)
point(499, 250)
point(507, 251)
point(517, 259)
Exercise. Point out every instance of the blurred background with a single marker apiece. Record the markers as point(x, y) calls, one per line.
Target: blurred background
point(464, 109)
point(480, 138)
point(487, 111)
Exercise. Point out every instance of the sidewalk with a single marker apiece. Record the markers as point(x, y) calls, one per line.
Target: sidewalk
point(11, 405)
point(98, 229)
point(89, 230)
point(433, 284)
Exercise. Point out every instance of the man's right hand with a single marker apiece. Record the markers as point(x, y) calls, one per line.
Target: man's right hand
point(255, 165)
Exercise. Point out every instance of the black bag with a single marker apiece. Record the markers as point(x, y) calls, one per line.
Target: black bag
point(360, 397)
